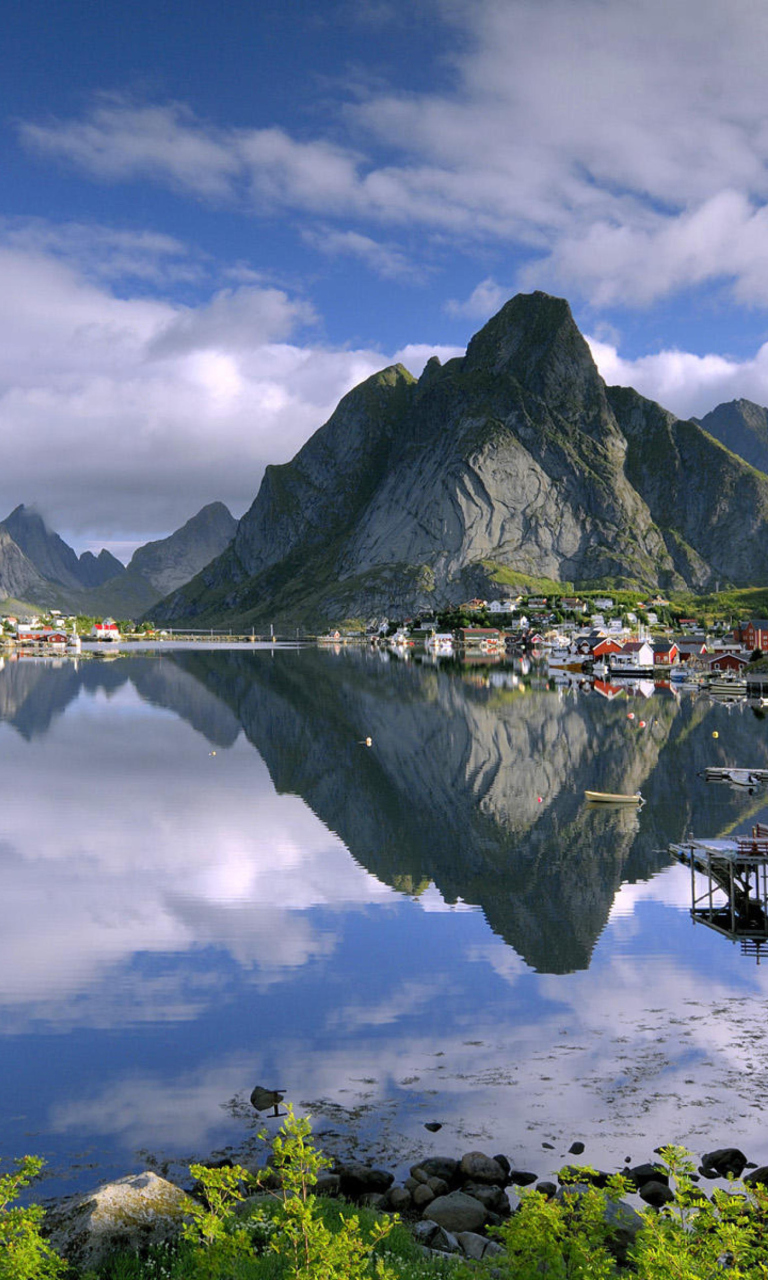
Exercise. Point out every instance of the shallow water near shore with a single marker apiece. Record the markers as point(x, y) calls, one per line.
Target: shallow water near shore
point(211, 882)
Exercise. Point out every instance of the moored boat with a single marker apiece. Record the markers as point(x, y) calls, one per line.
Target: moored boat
point(612, 797)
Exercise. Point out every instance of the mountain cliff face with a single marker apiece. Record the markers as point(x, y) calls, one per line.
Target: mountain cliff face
point(19, 579)
point(743, 428)
point(517, 455)
point(172, 561)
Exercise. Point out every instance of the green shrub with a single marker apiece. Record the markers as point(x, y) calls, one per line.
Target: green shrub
point(564, 1239)
point(311, 1249)
point(695, 1238)
point(24, 1254)
point(296, 1230)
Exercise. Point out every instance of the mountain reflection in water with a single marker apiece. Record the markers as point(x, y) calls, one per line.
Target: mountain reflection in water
point(476, 788)
point(125, 841)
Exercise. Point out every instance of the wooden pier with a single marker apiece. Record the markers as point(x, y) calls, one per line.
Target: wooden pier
point(734, 901)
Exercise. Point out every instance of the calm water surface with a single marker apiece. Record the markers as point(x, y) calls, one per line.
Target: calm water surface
point(209, 882)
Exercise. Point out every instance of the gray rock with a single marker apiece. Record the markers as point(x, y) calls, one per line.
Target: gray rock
point(439, 1186)
point(576, 1149)
point(399, 1199)
point(478, 1167)
point(758, 1175)
point(494, 1198)
point(656, 1194)
point(548, 1189)
point(472, 1245)
point(422, 1196)
point(439, 1167)
point(724, 1161)
point(357, 1179)
point(521, 1177)
point(411, 1183)
point(425, 1231)
point(458, 1212)
point(419, 1175)
point(642, 1173)
point(493, 1250)
point(328, 1184)
point(444, 1241)
point(131, 1213)
point(373, 1200)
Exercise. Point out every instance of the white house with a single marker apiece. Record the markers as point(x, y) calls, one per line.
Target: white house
point(106, 630)
point(636, 655)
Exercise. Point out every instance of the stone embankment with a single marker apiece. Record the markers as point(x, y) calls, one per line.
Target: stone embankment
point(450, 1202)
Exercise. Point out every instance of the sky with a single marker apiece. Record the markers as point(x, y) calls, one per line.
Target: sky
point(217, 219)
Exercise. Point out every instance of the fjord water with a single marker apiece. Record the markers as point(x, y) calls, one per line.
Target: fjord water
point(211, 882)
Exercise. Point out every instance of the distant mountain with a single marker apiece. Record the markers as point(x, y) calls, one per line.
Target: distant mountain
point(38, 569)
point(51, 555)
point(513, 460)
point(743, 428)
point(19, 579)
point(96, 570)
point(172, 561)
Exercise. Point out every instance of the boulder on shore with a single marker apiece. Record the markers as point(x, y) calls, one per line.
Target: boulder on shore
point(357, 1179)
point(457, 1212)
point(724, 1161)
point(131, 1213)
point(477, 1167)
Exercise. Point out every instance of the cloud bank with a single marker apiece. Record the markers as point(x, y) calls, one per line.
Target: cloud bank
point(623, 146)
point(122, 416)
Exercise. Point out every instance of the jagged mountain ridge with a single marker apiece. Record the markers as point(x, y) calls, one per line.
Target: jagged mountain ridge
point(515, 455)
point(38, 567)
point(53, 558)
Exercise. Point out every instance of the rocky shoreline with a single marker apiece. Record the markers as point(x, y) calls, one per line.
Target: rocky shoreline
point(450, 1202)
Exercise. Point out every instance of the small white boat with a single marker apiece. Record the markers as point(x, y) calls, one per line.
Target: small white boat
point(611, 797)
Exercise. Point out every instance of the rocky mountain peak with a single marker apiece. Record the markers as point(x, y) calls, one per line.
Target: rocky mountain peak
point(535, 341)
point(742, 426)
point(49, 553)
point(169, 562)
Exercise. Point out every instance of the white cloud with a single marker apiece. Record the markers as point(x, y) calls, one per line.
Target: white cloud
point(194, 876)
point(385, 260)
point(625, 144)
point(688, 384)
point(120, 417)
point(484, 300)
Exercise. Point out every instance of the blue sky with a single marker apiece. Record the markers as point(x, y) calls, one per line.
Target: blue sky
point(217, 218)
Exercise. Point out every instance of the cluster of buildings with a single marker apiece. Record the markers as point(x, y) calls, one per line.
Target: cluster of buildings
point(53, 633)
point(579, 634)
